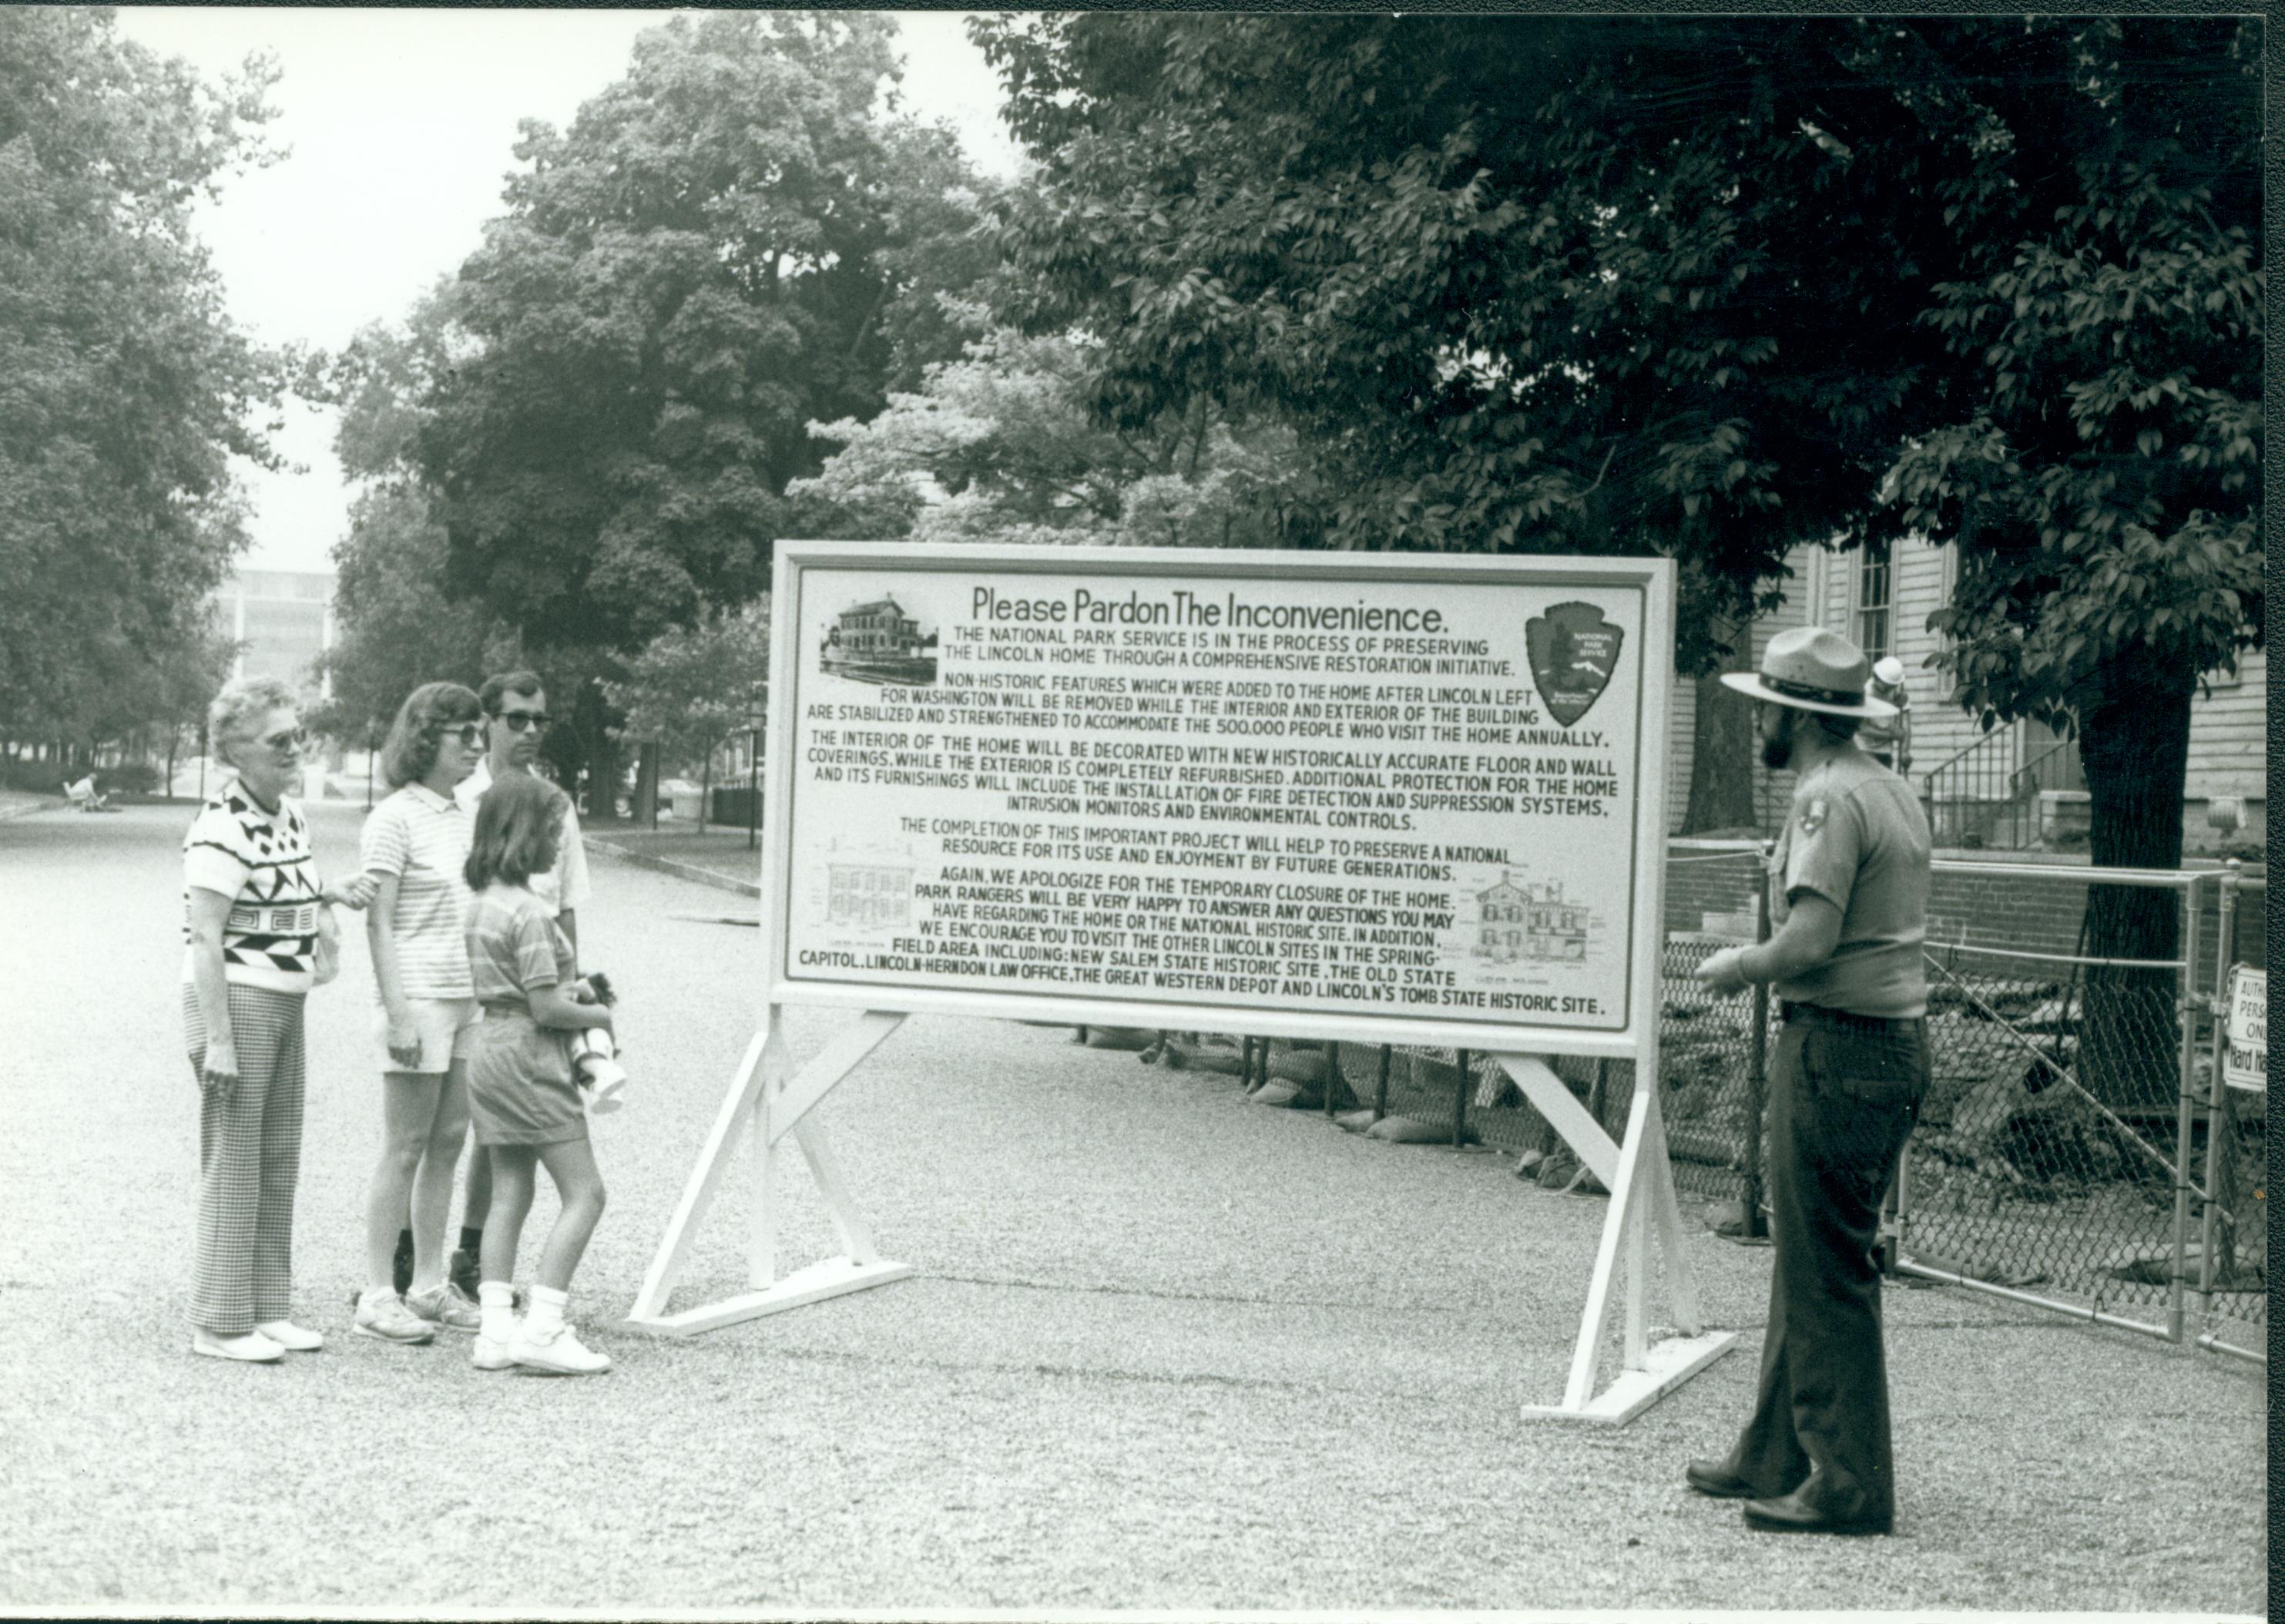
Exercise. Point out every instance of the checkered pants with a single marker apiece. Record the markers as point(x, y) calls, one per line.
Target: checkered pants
point(249, 1159)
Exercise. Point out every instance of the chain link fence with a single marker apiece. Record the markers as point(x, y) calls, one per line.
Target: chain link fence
point(2076, 1149)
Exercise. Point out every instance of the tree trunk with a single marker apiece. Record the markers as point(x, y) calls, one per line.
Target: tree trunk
point(644, 810)
point(1722, 746)
point(2135, 741)
point(599, 752)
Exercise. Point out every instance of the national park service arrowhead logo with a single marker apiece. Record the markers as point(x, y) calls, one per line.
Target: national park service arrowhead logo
point(1573, 650)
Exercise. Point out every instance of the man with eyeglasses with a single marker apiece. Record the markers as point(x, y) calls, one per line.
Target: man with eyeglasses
point(515, 720)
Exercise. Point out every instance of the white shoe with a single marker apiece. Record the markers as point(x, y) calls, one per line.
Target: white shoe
point(560, 1355)
point(492, 1352)
point(252, 1348)
point(293, 1338)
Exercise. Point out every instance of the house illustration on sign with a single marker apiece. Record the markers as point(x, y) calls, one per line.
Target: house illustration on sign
point(879, 642)
point(868, 896)
point(1519, 922)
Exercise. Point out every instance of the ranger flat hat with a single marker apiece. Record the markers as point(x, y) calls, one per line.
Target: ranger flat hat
point(1812, 669)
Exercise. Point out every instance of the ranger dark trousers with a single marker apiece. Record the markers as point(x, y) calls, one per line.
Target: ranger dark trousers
point(1844, 1091)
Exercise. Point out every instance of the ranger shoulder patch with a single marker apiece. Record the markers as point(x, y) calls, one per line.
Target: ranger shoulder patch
point(1812, 815)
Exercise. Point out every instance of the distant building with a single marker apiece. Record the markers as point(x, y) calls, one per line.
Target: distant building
point(2018, 787)
point(282, 620)
point(1528, 921)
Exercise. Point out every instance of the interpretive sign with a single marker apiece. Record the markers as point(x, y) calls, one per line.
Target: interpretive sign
point(1377, 798)
point(2246, 1061)
point(1351, 787)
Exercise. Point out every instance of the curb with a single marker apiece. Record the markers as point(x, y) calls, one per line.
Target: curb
point(680, 871)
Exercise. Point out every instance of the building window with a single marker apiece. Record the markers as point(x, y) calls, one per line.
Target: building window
point(1873, 616)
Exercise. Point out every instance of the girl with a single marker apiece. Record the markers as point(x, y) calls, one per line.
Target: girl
point(415, 844)
point(521, 1091)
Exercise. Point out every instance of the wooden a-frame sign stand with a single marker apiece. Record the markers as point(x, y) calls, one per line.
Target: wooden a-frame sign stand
point(767, 1101)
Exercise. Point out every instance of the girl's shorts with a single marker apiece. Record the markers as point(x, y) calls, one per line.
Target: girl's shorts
point(447, 1028)
point(520, 1090)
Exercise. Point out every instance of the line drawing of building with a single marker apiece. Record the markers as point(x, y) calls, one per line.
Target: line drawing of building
point(1520, 921)
point(868, 896)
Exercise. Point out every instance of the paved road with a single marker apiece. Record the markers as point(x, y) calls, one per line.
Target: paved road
point(1166, 1349)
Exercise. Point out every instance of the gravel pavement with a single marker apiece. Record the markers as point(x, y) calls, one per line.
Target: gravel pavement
point(1166, 1349)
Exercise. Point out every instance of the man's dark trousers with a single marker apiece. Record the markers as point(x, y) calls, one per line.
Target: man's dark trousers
point(1843, 1092)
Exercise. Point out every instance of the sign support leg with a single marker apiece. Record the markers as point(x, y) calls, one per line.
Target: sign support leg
point(769, 1104)
point(1641, 1182)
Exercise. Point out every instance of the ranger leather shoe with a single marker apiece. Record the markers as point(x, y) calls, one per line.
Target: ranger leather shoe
point(1714, 1477)
point(1791, 1514)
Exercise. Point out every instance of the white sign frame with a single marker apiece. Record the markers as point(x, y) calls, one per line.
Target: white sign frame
point(769, 1102)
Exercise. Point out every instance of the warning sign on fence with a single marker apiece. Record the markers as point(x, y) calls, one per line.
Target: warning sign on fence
point(2245, 1059)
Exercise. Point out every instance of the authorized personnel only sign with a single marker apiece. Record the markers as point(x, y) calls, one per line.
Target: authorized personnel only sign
point(1265, 782)
point(2245, 1059)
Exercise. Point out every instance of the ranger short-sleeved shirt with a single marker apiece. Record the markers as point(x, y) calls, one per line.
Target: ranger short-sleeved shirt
point(261, 860)
point(422, 838)
point(1857, 838)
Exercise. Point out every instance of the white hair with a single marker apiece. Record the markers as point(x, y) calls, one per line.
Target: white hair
point(235, 709)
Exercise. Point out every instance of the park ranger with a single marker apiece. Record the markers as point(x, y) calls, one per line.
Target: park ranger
point(1848, 886)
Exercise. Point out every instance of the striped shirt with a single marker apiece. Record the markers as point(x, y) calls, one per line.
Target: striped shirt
point(561, 887)
point(261, 860)
point(421, 839)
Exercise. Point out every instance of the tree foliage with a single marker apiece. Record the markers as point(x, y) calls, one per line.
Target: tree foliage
point(1704, 288)
point(124, 389)
point(690, 689)
point(396, 627)
point(688, 276)
point(1001, 445)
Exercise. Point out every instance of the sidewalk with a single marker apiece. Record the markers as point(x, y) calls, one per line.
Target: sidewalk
point(16, 804)
point(719, 856)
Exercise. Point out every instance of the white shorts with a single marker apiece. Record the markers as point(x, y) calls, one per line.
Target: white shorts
point(448, 1028)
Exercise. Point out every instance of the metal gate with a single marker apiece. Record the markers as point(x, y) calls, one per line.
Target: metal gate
point(2077, 1150)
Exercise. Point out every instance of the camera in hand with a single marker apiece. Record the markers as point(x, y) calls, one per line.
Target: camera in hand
point(594, 1060)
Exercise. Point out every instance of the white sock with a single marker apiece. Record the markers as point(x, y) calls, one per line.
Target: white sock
point(545, 1317)
point(497, 1298)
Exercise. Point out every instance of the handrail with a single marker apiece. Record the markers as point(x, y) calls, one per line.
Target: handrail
point(1959, 756)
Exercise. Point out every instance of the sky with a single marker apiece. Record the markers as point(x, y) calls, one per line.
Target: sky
point(399, 124)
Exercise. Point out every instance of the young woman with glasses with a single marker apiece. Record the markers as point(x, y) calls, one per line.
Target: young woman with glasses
point(414, 847)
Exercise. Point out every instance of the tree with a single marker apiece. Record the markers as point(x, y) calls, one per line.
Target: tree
point(694, 270)
point(397, 629)
point(1000, 445)
point(690, 690)
point(1695, 287)
point(2101, 466)
point(126, 389)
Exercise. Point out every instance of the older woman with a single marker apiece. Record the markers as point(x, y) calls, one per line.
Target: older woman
point(252, 900)
point(415, 844)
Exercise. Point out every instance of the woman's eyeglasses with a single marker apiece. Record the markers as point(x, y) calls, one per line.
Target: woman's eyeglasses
point(536, 721)
point(280, 742)
point(471, 735)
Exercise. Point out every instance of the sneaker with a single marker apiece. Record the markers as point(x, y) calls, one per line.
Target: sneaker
point(293, 1338)
point(383, 1314)
point(445, 1305)
point(465, 1273)
point(560, 1355)
point(492, 1352)
point(252, 1348)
